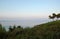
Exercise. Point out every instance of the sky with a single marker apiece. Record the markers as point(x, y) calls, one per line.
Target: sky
point(28, 8)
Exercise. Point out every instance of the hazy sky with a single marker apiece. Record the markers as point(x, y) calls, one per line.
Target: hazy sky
point(28, 8)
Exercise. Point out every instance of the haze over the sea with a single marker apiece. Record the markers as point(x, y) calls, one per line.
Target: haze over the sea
point(27, 12)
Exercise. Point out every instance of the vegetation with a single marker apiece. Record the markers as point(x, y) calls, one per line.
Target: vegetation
point(54, 16)
point(50, 30)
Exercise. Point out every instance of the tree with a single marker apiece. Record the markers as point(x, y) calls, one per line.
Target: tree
point(10, 29)
point(2, 32)
point(51, 17)
point(14, 27)
point(18, 26)
point(54, 15)
point(58, 16)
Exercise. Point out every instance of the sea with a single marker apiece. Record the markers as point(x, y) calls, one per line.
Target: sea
point(23, 22)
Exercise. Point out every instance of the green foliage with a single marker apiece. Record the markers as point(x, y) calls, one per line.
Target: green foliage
point(50, 30)
point(2, 32)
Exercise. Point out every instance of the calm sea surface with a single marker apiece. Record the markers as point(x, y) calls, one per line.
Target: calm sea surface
point(23, 22)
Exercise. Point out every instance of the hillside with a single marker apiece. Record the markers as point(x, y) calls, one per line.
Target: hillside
point(50, 30)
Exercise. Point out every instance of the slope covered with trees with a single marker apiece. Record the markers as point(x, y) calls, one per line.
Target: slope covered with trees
point(50, 30)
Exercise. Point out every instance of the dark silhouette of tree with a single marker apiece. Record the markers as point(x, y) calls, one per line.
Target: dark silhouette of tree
point(18, 26)
point(14, 27)
point(0, 24)
point(2, 32)
point(58, 16)
point(51, 17)
point(10, 29)
point(54, 15)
